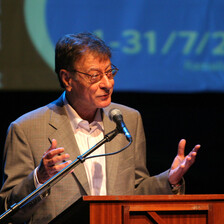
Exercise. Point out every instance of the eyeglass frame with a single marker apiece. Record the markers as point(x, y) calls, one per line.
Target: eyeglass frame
point(91, 76)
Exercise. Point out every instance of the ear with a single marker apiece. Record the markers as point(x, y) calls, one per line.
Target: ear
point(66, 79)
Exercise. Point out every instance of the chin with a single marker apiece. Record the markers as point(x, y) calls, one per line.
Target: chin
point(104, 104)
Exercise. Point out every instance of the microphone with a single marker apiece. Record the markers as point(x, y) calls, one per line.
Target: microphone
point(116, 116)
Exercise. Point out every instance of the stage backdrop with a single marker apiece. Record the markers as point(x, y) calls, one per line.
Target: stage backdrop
point(159, 46)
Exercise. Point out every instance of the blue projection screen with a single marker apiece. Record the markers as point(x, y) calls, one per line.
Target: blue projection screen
point(159, 46)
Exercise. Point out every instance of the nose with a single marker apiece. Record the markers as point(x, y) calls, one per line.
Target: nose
point(106, 83)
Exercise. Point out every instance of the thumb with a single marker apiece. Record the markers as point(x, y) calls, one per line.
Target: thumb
point(181, 147)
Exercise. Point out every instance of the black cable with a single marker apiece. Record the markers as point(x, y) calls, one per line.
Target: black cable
point(108, 154)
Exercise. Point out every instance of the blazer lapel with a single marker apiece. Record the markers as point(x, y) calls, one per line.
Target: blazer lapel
point(63, 133)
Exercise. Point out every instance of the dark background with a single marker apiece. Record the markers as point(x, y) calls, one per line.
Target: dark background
point(167, 118)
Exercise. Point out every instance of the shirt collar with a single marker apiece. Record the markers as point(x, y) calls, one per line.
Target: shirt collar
point(76, 120)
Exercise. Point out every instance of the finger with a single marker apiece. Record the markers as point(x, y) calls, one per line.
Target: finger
point(51, 171)
point(196, 148)
point(192, 155)
point(194, 151)
point(57, 159)
point(181, 147)
point(189, 160)
point(53, 144)
point(53, 152)
point(61, 166)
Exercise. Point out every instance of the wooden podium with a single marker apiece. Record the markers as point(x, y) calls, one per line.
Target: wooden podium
point(155, 209)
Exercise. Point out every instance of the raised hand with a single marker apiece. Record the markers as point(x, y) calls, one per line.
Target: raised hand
point(182, 163)
point(52, 162)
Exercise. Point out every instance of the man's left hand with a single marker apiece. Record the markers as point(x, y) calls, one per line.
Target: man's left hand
point(182, 163)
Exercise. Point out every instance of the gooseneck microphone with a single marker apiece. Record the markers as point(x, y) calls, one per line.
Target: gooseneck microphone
point(116, 116)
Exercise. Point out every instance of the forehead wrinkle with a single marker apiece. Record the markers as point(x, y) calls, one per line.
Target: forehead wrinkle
point(90, 62)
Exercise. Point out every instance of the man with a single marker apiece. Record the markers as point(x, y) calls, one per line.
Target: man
point(70, 126)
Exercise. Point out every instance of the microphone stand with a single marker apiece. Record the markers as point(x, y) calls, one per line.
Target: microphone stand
point(56, 178)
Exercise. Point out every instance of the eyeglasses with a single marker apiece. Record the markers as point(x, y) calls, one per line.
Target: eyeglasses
point(96, 77)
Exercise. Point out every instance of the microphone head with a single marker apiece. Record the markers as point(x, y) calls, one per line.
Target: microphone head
point(115, 114)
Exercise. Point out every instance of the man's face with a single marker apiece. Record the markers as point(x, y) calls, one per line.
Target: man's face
point(87, 96)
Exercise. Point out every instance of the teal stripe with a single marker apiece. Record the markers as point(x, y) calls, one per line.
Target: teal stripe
point(34, 13)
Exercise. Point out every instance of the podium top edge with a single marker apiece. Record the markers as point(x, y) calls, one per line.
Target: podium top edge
point(196, 197)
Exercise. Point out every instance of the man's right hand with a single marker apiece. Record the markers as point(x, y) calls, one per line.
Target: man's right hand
point(52, 162)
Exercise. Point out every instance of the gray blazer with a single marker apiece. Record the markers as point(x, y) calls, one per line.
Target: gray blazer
point(29, 137)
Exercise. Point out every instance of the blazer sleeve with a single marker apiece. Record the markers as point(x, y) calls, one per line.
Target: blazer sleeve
point(18, 174)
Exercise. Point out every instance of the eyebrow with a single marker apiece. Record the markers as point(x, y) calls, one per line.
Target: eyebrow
point(96, 69)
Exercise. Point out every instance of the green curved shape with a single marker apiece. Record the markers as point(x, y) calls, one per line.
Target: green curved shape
point(34, 13)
